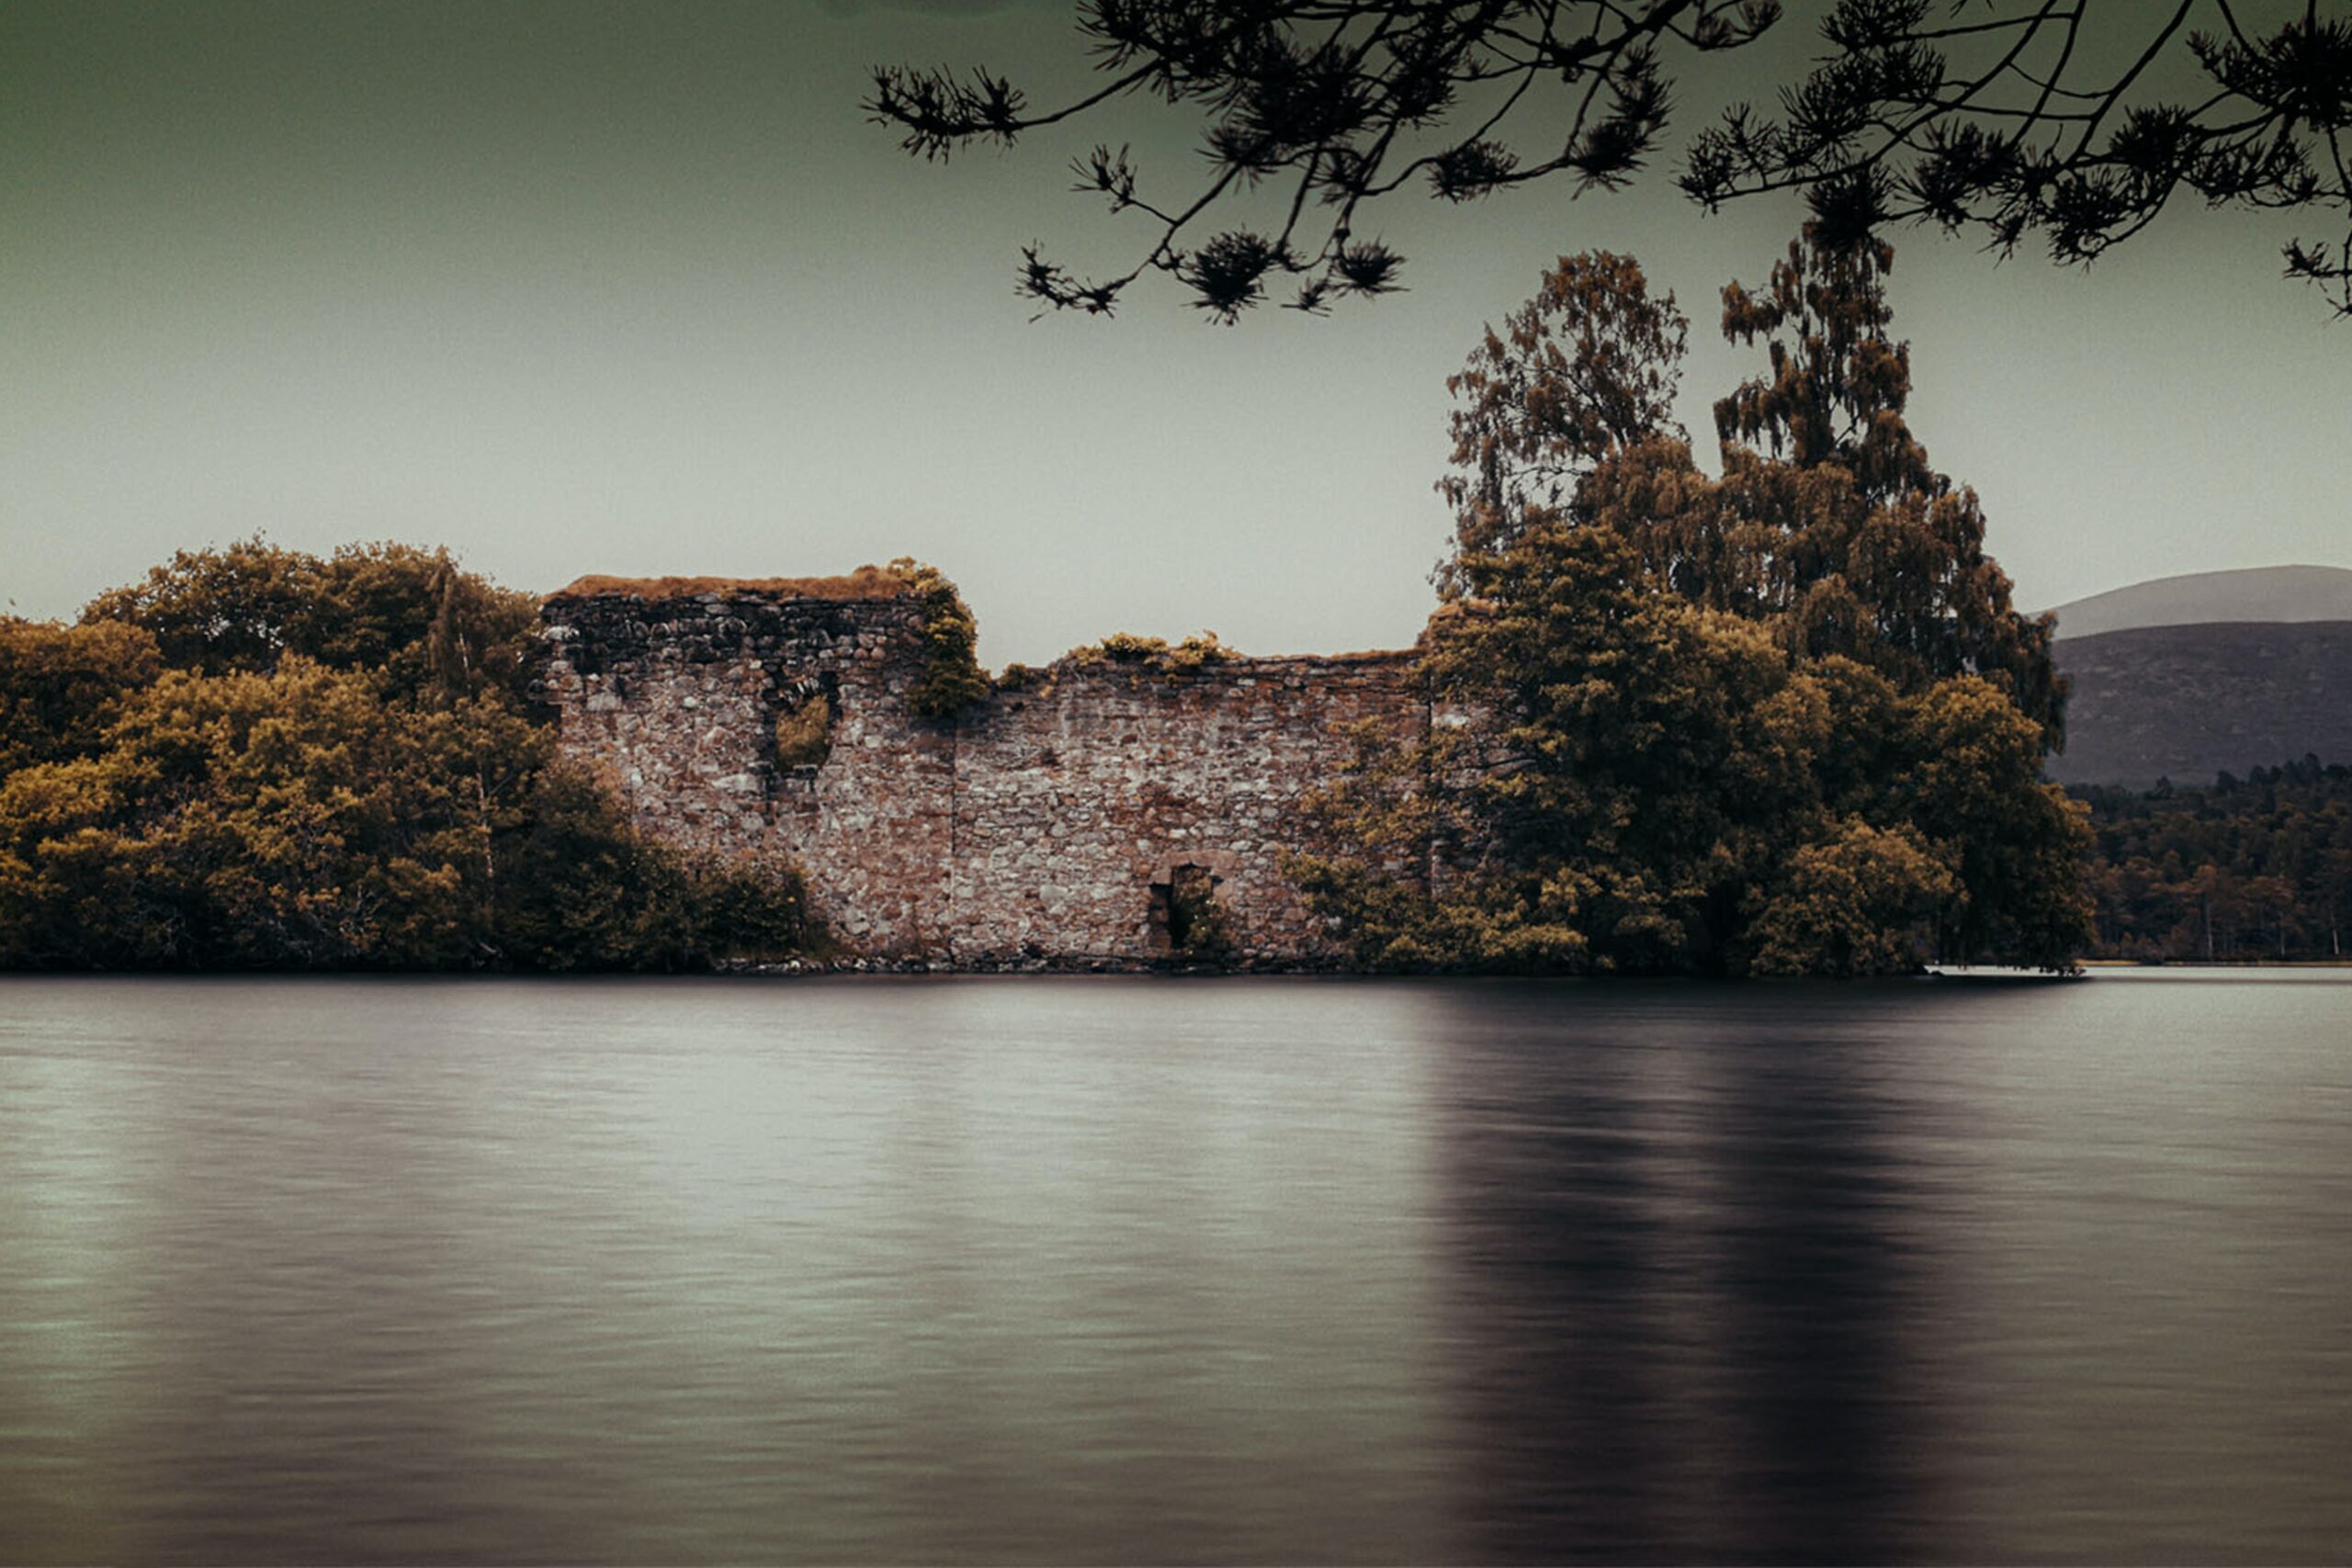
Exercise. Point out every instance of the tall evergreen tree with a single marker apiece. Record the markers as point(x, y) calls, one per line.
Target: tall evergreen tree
point(1874, 554)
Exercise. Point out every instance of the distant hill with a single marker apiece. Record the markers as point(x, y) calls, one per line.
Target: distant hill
point(2186, 701)
point(2260, 593)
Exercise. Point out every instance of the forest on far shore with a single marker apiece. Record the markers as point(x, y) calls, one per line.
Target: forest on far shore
point(2240, 870)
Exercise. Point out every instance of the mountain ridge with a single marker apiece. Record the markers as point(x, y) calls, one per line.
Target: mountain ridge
point(2191, 700)
point(2290, 595)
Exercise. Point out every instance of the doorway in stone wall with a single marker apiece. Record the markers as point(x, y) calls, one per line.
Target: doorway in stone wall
point(1186, 913)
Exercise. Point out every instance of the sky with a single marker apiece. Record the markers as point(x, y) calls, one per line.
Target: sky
point(597, 285)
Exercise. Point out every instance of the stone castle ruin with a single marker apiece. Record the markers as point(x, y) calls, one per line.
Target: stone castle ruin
point(1100, 812)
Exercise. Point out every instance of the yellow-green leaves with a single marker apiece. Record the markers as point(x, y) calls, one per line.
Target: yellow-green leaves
point(60, 685)
point(1860, 901)
point(1195, 653)
point(952, 676)
point(412, 616)
point(339, 774)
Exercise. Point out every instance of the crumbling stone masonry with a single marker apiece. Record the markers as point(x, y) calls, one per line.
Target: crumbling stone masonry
point(1047, 823)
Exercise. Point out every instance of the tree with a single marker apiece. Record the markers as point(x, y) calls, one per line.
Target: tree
point(1783, 722)
point(60, 684)
point(2179, 870)
point(217, 610)
point(1970, 779)
point(340, 771)
point(292, 818)
point(1629, 766)
point(1828, 525)
point(2014, 119)
point(412, 614)
point(1851, 905)
point(1863, 547)
point(1581, 372)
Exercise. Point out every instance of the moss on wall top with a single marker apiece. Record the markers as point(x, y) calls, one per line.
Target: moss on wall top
point(865, 582)
point(1195, 653)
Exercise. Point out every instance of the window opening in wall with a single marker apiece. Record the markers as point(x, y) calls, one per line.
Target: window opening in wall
point(1190, 915)
point(804, 732)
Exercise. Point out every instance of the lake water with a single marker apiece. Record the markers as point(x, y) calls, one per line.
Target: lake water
point(1101, 1271)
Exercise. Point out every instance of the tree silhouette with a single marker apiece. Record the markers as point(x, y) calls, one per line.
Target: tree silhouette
point(2013, 120)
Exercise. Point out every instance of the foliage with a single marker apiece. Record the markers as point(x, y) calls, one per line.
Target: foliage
point(1189, 657)
point(412, 614)
point(952, 677)
point(1582, 371)
point(1851, 905)
point(1121, 647)
point(1865, 548)
point(1843, 539)
point(1971, 780)
point(2018, 119)
point(1197, 926)
point(390, 805)
point(868, 582)
point(1783, 722)
point(59, 686)
point(218, 610)
point(2259, 867)
point(1618, 792)
point(1197, 652)
point(803, 733)
point(586, 890)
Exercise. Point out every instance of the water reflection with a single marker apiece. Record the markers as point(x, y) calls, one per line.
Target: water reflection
point(371, 1271)
point(1684, 1315)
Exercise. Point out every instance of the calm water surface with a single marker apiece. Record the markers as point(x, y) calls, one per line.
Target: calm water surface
point(1119, 1269)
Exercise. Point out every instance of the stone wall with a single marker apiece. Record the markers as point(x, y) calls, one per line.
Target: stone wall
point(1045, 824)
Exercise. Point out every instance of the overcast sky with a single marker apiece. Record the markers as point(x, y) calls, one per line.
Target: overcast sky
point(581, 287)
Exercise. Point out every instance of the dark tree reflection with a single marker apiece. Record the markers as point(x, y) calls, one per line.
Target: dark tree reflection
point(1682, 1317)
